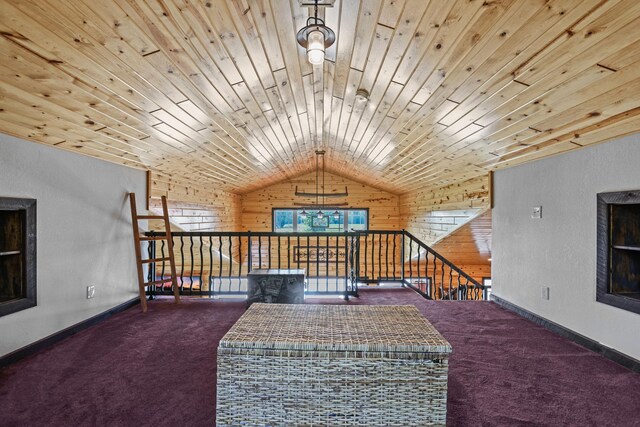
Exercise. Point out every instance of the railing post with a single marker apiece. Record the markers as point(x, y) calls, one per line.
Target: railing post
point(249, 252)
point(402, 258)
point(152, 268)
point(346, 266)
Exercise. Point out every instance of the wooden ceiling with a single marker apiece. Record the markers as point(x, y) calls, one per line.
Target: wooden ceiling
point(219, 93)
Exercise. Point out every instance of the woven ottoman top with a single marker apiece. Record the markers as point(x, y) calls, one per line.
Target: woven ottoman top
point(331, 328)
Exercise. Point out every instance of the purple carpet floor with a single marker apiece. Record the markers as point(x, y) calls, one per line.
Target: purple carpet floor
point(159, 369)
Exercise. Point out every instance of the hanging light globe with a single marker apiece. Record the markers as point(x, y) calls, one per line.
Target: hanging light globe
point(315, 37)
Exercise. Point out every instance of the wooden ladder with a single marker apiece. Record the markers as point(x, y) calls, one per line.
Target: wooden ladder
point(138, 238)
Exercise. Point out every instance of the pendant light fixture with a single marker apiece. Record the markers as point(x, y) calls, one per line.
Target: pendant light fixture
point(320, 196)
point(319, 214)
point(315, 37)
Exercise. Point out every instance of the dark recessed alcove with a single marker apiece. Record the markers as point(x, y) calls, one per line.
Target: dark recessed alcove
point(17, 254)
point(618, 280)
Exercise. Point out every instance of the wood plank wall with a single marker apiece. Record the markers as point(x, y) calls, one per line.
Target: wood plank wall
point(197, 208)
point(384, 208)
point(432, 213)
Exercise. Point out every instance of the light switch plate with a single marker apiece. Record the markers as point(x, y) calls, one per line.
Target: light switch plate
point(545, 292)
point(536, 212)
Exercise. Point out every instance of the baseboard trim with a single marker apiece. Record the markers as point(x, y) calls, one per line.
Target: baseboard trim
point(611, 354)
point(39, 345)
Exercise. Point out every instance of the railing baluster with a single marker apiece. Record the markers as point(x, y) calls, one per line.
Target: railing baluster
point(402, 257)
point(379, 257)
point(182, 264)
point(239, 263)
point(230, 263)
point(337, 272)
point(386, 252)
point(442, 281)
point(411, 261)
point(151, 246)
point(220, 262)
point(249, 253)
point(149, 256)
point(434, 277)
point(308, 264)
point(450, 282)
point(269, 252)
point(201, 265)
point(211, 284)
point(395, 239)
point(326, 265)
point(163, 263)
point(318, 263)
point(259, 251)
point(366, 269)
point(347, 255)
point(288, 252)
point(418, 270)
point(373, 254)
point(279, 255)
point(357, 262)
point(191, 266)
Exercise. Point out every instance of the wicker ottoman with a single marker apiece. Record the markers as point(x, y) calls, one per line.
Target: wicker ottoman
point(324, 365)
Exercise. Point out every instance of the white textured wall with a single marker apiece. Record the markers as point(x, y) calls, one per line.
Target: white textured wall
point(559, 250)
point(83, 235)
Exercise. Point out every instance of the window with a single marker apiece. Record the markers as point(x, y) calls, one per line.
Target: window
point(292, 220)
point(618, 266)
point(17, 254)
point(283, 220)
point(357, 220)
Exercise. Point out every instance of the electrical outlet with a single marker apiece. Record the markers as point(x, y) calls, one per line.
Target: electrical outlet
point(91, 291)
point(536, 212)
point(545, 292)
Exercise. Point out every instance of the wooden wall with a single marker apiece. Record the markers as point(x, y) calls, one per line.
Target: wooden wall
point(196, 208)
point(384, 209)
point(433, 213)
point(428, 214)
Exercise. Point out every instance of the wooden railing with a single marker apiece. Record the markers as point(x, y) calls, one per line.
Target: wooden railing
point(216, 263)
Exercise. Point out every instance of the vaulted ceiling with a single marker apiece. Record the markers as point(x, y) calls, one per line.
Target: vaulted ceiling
point(219, 93)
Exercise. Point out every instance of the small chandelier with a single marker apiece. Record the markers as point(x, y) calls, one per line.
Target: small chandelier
point(320, 204)
point(315, 37)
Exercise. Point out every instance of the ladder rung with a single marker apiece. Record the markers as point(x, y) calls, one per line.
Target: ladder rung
point(149, 217)
point(157, 282)
point(147, 261)
point(153, 237)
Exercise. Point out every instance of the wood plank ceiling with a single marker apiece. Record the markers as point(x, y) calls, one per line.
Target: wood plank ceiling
point(219, 93)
